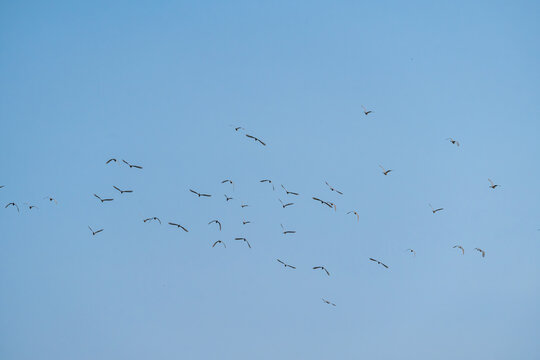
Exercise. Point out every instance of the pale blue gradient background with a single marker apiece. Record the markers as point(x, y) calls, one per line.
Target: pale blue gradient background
point(158, 84)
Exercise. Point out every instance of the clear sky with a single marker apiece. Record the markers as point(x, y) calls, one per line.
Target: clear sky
point(159, 84)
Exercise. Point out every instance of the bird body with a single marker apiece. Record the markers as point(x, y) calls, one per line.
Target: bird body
point(256, 139)
point(459, 247)
point(433, 210)
point(199, 194)
point(481, 251)
point(378, 262)
point(152, 218)
point(286, 265)
point(322, 268)
point(492, 185)
point(289, 192)
point(95, 232)
point(328, 302)
point(217, 222)
point(333, 189)
point(220, 242)
point(244, 240)
point(102, 200)
point(385, 172)
point(179, 226)
point(123, 191)
point(131, 165)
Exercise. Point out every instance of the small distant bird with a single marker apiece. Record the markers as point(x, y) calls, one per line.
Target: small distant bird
point(179, 226)
point(12, 204)
point(244, 205)
point(256, 139)
point(328, 302)
point(289, 192)
point(286, 265)
point(228, 181)
point(459, 247)
point(322, 268)
point(355, 213)
point(493, 186)
point(108, 161)
point(244, 222)
point(285, 232)
point(217, 222)
point(435, 210)
point(30, 207)
point(220, 242)
point(411, 251)
point(378, 262)
point(131, 165)
point(455, 142)
point(238, 128)
point(482, 251)
point(51, 199)
point(152, 218)
point(95, 232)
point(199, 194)
point(123, 191)
point(103, 200)
point(366, 111)
point(332, 189)
point(329, 204)
point(385, 172)
point(268, 181)
point(228, 198)
point(285, 205)
point(1, 186)
point(244, 240)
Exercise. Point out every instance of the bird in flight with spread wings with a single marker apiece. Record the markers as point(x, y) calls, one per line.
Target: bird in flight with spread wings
point(328, 302)
point(289, 192)
point(217, 222)
point(322, 268)
point(384, 171)
point(220, 242)
point(286, 265)
point(481, 251)
point(366, 111)
point(459, 247)
point(268, 181)
point(433, 210)
point(378, 262)
point(108, 161)
point(12, 204)
point(244, 240)
point(228, 181)
point(493, 186)
point(333, 189)
point(285, 232)
point(131, 165)
point(179, 226)
point(151, 219)
point(102, 200)
point(285, 205)
point(327, 203)
point(200, 194)
point(123, 191)
point(455, 142)
point(355, 213)
point(256, 139)
point(95, 232)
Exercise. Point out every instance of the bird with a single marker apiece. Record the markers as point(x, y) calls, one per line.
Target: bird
point(289, 192)
point(131, 165)
point(108, 161)
point(322, 202)
point(482, 251)
point(95, 232)
point(179, 226)
point(435, 210)
point(220, 242)
point(256, 139)
point(152, 218)
point(51, 199)
point(217, 222)
point(455, 142)
point(355, 213)
point(199, 194)
point(285, 205)
point(493, 186)
point(411, 251)
point(1, 186)
point(378, 262)
point(244, 240)
point(244, 205)
point(103, 200)
point(286, 265)
point(123, 191)
point(385, 172)
point(228, 198)
point(332, 189)
point(12, 204)
point(30, 207)
point(366, 111)
point(328, 302)
point(268, 181)
point(244, 222)
point(459, 247)
point(322, 268)
point(285, 232)
point(228, 181)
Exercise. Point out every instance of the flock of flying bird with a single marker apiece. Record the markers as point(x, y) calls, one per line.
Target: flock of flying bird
point(285, 231)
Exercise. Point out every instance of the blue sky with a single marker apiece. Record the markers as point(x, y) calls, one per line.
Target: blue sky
point(160, 84)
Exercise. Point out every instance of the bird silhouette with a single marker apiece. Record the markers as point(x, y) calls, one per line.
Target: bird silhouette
point(481, 251)
point(455, 142)
point(179, 226)
point(435, 210)
point(51, 199)
point(411, 251)
point(322, 268)
point(131, 165)
point(220, 242)
point(366, 111)
point(378, 262)
point(95, 232)
point(385, 172)
point(355, 213)
point(244, 222)
point(108, 161)
point(256, 139)
point(228, 198)
point(459, 247)
point(102, 200)
point(285, 205)
point(217, 222)
point(333, 189)
point(199, 194)
point(285, 232)
point(123, 191)
point(493, 186)
point(151, 219)
point(286, 265)
point(289, 192)
point(244, 240)
point(12, 204)
point(228, 181)
point(268, 181)
point(328, 302)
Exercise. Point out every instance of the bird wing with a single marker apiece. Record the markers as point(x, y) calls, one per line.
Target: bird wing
point(158, 221)
point(215, 243)
point(108, 161)
point(91, 229)
point(207, 195)
point(193, 191)
point(491, 182)
point(292, 267)
point(137, 166)
point(264, 144)
point(100, 230)
point(339, 192)
point(117, 188)
point(248, 243)
point(327, 273)
point(97, 196)
point(251, 137)
point(382, 168)
point(183, 228)
point(173, 224)
point(125, 162)
point(281, 262)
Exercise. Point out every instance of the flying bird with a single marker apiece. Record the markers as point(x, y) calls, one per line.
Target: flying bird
point(108, 161)
point(493, 186)
point(285, 205)
point(285, 232)
point(482, 251)
point(244, 222)
point(459, 247)
point(238, 128)
point(256, 139)
point(123, 191)
point(199, 194)
point(286, 265)
point(411, 251)
point(244, 205)
point(51, 199)
point(179, 226)
point(329, 204)
point(328, 302)
point(228, 181)
point(95, 232)
point(455, 142)
point(220, 242)
point(1, 186)
point(268, 181)
point(333, 189)
point(30, 207)
point(131, 165)
point(152, 218)
point(366, 111)
point(228, 198)
point(385, 172)
point(12, 204)
point(103, 200)
point(244, 240)
point(378, 262)
point(355, 213)
point(217, 222)
point(289, 192)
point(322, 268)
point(435, 210)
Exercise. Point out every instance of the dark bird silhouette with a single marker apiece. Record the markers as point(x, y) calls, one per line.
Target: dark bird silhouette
point(123, 191)
point(268, 181)
point(285, 205)
point(333, 189)
point(285, 232)
point(220, 242)
point(228, 198)
point(244, 205)
point(366, 111)
point(244, 222)
point(217, 222)
point(459, 247)
point(1, 186)
point(328, 302)
point(108, 161)
point(103, 200)
point(30, 207)
point(51, 199)
point(286, 265)
point(455, 142)
point(378, 262)
point(481, 251)
point(327, 203)
point(322, 268)
point(12, 204)
point(179, 226)
point(95, 232)
point(238, 128)
point(493, 186)
point(385, 172)
point(244, 240)
point(435, 210)
point(152, 218)
point(199, 194)
point(289, 192)
point(355, 213)
point(131, 165)
point(228, 181)
point(256, 139)
point(411, 251)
